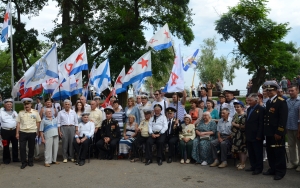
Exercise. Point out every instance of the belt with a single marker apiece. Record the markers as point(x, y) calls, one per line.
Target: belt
point(9, 129)
point(68, 125)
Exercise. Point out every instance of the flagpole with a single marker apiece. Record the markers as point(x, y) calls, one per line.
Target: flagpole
point(11, 49)
point(193, 82)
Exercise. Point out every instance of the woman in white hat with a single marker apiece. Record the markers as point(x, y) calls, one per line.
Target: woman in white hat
point(186, 137)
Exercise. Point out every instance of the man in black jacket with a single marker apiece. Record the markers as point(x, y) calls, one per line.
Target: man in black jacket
point(254, 134)
point(275, 119)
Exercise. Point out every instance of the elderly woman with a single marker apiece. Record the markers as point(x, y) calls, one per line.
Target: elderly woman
point(129, 133)
point(186, 138)
point(238, 134)
point(132, 109)
point(210, 105)
point(196, 113)
point(205, 131)
point(82, 139)
point(49, 136)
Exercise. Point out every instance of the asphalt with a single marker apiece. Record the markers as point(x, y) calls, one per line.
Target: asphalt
point(122, 173)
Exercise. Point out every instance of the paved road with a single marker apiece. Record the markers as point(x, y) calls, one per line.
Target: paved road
point(122, 173)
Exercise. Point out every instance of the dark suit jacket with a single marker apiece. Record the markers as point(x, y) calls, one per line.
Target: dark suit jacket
point(254, 124)
point(276, 114)
point(174, 132)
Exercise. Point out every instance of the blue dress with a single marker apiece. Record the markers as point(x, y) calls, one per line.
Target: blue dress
point(201, 148)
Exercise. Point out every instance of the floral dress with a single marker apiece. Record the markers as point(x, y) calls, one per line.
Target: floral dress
point(238, 135)
point(201, 147)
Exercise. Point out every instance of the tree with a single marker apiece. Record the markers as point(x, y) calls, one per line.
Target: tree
point(211, 68)
point(257, 37)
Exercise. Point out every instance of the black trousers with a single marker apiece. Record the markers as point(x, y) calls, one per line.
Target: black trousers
point(276, 156)
point(97, 137)
point(160, 141)
point(255, 152)
point(112, 146)
point(25, 138)
point(10, 137)
point(137, 144)
point(84, 148)
point(172, 142)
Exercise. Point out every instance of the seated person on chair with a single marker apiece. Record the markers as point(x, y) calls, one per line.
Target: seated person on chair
point(143, 136)
point(82, 140)
point(158, 126)
point(110, 135)
point(172, 133)
point(223, 140)
point(186, 136)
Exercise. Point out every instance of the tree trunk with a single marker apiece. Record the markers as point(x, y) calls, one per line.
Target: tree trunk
point(258, 79)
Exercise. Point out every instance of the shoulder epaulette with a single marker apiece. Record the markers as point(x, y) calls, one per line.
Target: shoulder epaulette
point(280, 98)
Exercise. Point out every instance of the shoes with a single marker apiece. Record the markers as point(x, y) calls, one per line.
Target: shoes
point(187, 161)
point(148, 162)
point(47, 165)
point(223, 164)
point(159, 162)
point(182, 161)
point(55, 162)
point(6, 162)
point(169, 160)
point(241, 167)
point(73, 160)
point(23, 165)
point(249, 169)
point(268, 173)
point(65, 160)
point(291, 166)
point(298, 169)
point(256, 172)
point(214, 164)
point(134, 160)
point(277, 177)
point(238, 165)
point(204, 163)
point(30, 163)
point(81, 163)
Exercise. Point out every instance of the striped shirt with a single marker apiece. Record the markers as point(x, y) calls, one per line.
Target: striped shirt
point(293, 113)
point(120, 117)
point(49, 127)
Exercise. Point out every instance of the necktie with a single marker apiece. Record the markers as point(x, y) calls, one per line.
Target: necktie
point(220, 111)
point(36, 106)
point(169, 125)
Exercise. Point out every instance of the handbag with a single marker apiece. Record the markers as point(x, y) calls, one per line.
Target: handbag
point(206, 137)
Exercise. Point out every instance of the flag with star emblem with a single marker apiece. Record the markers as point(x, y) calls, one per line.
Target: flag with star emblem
point(101, 79)
point(45, 68)
point(190, 61)
point(76, 62)
point(6, 23)
point(176, 81)
point(139, 70)
point(71, 86)
point(119, 82)
point(161, 40)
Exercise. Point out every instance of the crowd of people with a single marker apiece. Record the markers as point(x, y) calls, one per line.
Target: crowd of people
point(207, 134)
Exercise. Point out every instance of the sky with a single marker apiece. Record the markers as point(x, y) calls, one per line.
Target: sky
point(205, 14)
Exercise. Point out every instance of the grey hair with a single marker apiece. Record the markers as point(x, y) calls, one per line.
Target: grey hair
point(226, 109)
point(207, 113)
point(67, 101)
point(254, 96)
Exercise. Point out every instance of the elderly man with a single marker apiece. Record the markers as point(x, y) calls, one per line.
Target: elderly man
point(158, 125)
point(28, 125)
point(87, 107)
point(179, 105)
point(223, 140)
point(110, 135)
point(293, 127)
point(274, 129)
point(230, 99)
point(254, 134)
point(96, 116)
point(159, 100)
point(67, 123)
point(145, 105)
point(82, 139)
point(8, 131)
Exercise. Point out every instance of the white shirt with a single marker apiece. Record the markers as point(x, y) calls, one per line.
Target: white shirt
point(38, 107)
point(8, 119)
point(159, 125)
point(57, 106)
point(87, 129)
point(87, 108)
point(64, 118)
point(231, 107)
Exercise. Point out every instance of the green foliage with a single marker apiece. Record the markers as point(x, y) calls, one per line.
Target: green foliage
point(256, 36)
point(211, 68)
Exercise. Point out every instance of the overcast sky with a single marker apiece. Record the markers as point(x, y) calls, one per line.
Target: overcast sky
point(206, 12)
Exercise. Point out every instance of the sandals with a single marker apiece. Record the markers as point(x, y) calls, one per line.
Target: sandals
point(241, 167)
